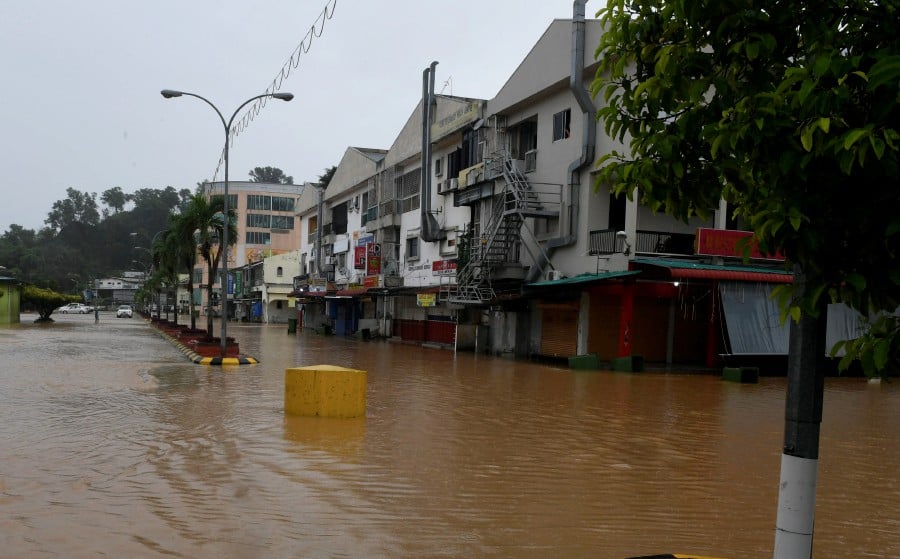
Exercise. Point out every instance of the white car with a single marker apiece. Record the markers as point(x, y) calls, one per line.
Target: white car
point(77, 308)
point(124, 311)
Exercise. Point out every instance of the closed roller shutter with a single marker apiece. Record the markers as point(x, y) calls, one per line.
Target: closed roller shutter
point(559, 329)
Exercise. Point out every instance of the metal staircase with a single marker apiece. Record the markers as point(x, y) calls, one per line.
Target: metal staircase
point(500, 235)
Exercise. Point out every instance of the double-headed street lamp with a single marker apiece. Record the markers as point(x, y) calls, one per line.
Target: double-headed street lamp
point(168, 94)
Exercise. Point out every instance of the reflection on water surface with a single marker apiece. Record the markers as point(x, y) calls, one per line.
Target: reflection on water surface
point(111, 443)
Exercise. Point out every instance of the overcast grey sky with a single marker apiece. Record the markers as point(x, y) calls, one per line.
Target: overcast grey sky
point(80, 105)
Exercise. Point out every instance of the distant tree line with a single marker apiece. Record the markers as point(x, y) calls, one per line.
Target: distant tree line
point(84, 239)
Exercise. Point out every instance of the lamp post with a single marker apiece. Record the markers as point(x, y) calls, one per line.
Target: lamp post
point(149, 268)
point(170, 93)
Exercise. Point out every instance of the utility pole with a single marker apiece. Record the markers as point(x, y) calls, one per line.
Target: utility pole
point(803, 418)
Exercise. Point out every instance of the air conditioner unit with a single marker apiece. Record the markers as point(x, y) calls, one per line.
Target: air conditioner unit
point(553, 275)
point(454, 184)
point(530, 160)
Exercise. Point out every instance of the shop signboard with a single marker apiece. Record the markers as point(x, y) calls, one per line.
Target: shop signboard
point(373, 259)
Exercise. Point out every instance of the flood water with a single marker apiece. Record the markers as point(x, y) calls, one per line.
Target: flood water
point(113, 444)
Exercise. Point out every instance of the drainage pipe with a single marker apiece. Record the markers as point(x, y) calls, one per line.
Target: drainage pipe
point(568, 216)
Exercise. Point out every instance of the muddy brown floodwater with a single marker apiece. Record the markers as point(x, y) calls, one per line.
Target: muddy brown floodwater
point(113, 444)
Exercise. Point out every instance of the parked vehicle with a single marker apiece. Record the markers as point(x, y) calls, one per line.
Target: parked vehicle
point(124, 311)
point(75, 308)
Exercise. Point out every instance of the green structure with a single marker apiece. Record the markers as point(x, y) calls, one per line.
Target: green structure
point(10, 298)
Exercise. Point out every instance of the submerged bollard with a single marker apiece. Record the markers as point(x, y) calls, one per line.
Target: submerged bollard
point(325, 391)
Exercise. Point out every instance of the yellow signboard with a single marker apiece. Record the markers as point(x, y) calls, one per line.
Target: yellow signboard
point(425, 299)
point(456, 120)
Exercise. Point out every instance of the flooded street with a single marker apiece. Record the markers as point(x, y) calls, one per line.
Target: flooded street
point(112, 443)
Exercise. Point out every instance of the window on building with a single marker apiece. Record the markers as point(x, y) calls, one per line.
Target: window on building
point(278, 304)
point(198, 276)
point(408, 186)
point(617, 211)
point(282, 204)
point(339, 219)
point(412, 248)
point(364, 213)
point(561, 123)
point(471, 152)
point(258, 237)
point(438, 167)
point(259, 220)
point(523, 143)
point(282, 222)
point(259, 202)
point(279, 271)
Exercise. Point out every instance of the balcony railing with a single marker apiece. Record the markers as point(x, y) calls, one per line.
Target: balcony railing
point(605, 241)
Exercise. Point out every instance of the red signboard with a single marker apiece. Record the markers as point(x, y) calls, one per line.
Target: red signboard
point(722, 242)
point(443, 267)
point(370, 281)
point(373, 259)
point(359, 258)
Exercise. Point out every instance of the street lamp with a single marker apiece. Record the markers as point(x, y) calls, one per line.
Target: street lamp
point(148, 268)
point(170, 93)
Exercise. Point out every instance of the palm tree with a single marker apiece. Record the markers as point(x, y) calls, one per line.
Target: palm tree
point(166, 262)
point(204, 219)
point(183, 227)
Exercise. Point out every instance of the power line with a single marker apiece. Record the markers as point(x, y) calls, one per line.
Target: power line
point(315, 31)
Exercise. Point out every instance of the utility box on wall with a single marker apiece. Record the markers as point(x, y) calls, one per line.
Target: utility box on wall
point(10, 300)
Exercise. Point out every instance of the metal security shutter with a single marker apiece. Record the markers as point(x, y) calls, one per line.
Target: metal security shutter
point(559, 329)
point(603, 333)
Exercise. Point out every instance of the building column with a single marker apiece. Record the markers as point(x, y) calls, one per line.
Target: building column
point(625, 320)
point(711, 357)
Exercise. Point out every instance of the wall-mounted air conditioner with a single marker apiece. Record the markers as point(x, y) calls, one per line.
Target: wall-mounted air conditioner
point(454, 184)
point(553, 275)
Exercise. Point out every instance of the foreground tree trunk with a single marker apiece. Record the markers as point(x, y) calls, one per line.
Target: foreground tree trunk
point(803, 418)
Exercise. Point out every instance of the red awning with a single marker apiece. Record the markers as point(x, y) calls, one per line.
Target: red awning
point(355, 292)
point(684, 269)
point(729, 275)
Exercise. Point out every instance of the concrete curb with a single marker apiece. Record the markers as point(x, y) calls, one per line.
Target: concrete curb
point(200, 359)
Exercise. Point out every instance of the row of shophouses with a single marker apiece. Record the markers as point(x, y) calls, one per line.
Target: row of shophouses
point(482, 228)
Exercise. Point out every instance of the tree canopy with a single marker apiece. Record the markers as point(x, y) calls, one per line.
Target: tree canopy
point(788, 110)
point(326, 176)
point(270, 175)
point(45, 301)
point(78, 207)
point(115, 198)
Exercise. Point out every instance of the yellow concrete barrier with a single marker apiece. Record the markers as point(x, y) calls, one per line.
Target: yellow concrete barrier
point(325, 391)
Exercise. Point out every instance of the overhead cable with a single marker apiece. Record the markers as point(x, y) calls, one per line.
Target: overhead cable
point(315, 31)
